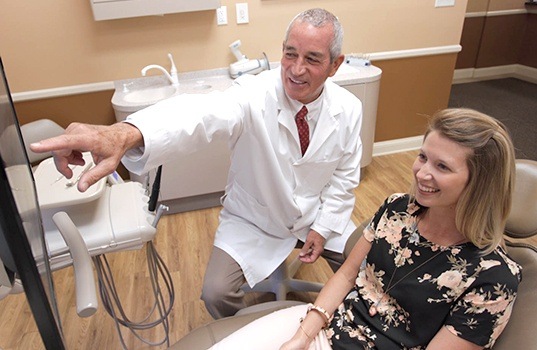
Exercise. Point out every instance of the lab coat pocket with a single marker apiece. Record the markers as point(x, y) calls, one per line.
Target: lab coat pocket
point(240, 203)
point(314, 176)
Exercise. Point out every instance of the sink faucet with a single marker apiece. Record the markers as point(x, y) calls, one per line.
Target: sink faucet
point(172, 76)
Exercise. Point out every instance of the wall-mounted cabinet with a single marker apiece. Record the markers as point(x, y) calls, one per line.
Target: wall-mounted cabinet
point(114, 9)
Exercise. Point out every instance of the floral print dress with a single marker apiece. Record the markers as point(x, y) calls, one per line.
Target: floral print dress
point(416, 287)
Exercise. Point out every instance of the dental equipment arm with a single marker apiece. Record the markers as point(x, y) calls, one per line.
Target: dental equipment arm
point(245, 65)
point(86, 293)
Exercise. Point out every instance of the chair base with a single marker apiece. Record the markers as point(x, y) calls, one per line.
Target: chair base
point(281, 282)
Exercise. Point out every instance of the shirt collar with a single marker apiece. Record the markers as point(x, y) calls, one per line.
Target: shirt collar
point(314, 107)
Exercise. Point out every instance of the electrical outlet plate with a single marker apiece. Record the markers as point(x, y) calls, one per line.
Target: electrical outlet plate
point(221, 15)
point(444, 3)
point(242, 13)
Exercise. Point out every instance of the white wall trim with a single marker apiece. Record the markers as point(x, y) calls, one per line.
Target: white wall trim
point(475, 14)
point(427, 51)
point(497, 13)
point(507, 12)
point(395, 146)
point(471, 75)
point(62, 91)
point(460, 75)
point(526, 73)
point(109, 85)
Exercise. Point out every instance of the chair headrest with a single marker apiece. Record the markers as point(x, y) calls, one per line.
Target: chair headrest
point(522, 221)
point(36, 131)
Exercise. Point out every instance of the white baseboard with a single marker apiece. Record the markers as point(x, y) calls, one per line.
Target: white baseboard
point(471, 75)
point(395, 146)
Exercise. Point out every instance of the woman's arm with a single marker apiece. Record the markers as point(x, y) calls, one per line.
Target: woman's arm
point(444, 339)
point(332, 294)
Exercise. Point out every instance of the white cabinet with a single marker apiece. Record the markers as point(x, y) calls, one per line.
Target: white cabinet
point(114, 9)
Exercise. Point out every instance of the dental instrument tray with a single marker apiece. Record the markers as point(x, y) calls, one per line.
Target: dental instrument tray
point(55, 190)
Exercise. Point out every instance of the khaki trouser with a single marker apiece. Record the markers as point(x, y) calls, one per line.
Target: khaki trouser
point(223, 279)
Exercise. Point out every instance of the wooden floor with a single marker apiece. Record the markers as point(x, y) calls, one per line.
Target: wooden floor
point(184, 241)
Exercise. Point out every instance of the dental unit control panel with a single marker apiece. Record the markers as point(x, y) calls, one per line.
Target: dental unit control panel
point(109, 218)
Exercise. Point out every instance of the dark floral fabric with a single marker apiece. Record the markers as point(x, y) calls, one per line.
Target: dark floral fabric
point(430, 286)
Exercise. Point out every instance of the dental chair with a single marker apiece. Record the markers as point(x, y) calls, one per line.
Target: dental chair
point(36, 131)
point(281, 282)
point(520, 332)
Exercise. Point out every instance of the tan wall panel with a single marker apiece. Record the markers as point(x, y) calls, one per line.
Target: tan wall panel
point(410, 90)
point(470, 42)
point(500, 5)
point(528, 51)
point(501, 40)
point(477, 5)
point(48, 46)
point(92, 108)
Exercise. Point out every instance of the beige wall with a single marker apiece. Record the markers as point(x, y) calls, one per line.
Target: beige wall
point(47, 45)
point(477, 5)
point(499, 5)
point(494, 5)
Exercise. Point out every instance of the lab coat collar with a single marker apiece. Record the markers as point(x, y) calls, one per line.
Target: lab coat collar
point(328, 118)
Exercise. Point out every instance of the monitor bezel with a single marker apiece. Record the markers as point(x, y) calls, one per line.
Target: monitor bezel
point(17, 254)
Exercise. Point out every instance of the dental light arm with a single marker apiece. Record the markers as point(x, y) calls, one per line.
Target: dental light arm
point(86, 293)
point(234, 47)
point(245, 65)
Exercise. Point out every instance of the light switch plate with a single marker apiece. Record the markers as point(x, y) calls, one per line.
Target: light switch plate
point(242, 13)
point(444, 3)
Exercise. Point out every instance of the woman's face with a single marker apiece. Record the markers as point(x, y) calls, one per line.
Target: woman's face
point(440, 172)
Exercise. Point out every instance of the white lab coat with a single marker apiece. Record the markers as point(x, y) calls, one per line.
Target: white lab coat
point(273, 195)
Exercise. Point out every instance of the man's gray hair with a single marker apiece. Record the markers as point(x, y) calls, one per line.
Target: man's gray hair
point(319, 18)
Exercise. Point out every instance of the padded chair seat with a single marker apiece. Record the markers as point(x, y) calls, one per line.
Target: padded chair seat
point(206, 336)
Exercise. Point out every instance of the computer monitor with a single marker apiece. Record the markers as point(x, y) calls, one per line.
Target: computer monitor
point(23, 249)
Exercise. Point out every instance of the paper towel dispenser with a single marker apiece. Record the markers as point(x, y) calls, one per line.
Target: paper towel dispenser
point(114, 9)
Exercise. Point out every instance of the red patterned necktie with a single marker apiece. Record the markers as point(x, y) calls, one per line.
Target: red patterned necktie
point(303, 129)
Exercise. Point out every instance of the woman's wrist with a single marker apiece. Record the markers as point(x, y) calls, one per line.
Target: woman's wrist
point(304, 332)
point(322, 312)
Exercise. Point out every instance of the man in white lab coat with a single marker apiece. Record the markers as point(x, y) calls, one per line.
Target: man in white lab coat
point(278, 192)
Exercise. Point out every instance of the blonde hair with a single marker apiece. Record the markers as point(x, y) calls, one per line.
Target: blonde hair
point(485, 203)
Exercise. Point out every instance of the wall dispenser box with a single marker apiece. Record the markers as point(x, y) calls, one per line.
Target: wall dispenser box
point(114, 9)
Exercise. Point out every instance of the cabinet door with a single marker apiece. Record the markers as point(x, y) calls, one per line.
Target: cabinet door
point(113, 9)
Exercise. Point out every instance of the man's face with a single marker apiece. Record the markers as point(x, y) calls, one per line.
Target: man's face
point(305, 63)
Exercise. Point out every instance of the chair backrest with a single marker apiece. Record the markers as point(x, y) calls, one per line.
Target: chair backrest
point(36, 131)
point(520, 332)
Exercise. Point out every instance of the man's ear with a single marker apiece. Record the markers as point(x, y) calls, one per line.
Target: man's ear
point(335, 65)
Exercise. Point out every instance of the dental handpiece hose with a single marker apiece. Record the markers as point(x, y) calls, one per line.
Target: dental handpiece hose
point(160, 210)
point(155, 190)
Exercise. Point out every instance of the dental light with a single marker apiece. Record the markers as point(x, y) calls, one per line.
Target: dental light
point(245, 65)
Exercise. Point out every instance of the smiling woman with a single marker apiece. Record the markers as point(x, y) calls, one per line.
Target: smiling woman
point(442, 242)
